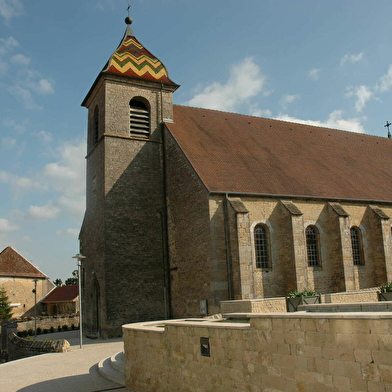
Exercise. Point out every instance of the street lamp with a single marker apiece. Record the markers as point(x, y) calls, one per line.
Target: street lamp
point(35, 306)
point(80, 257)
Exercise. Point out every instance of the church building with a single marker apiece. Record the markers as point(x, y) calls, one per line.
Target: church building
point(187, 207)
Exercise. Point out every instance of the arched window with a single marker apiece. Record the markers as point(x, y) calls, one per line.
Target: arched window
point(312, 246)
point(356, 245)
point(261, 247)
point(96, 124)
point(139, 116)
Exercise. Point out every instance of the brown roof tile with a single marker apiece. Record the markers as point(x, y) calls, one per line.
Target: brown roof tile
point(13, 264)
point(62, 294)
point(244, 154)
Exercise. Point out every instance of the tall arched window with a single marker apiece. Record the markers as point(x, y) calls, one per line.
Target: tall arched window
point(356, 245)
point(95, 124)
point(261, 247)
point(139, 117)
point(312, 246)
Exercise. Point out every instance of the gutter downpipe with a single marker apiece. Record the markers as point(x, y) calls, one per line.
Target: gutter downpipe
point(164, 220)
point(228, 247)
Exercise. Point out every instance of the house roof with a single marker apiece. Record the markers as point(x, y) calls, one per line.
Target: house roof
point(13, 264)
point(62, 294)
point(243, 154)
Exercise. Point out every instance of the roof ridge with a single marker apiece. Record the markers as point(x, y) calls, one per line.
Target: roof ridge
point(285, 121)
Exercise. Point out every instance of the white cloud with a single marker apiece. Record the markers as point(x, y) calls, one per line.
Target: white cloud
point(362, 94)
point(385, 81)
point(18, 126)
point(42, 86)
point(334, 120)
point(8, 142)
point(6, 226)
point(45, 136)
point(6, 45)
point(10, 8)
point(20, 59)
point(69, 233)
point(105, 4)
point(67, 177)
point(314, 74)
point(43, 213)
point(245, 81)
point(24, 96)
point(351, 58)
point(287, 99)
point(19, 184)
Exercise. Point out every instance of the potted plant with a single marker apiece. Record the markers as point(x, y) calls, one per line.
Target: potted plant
point(296, 298)
point(385, 293)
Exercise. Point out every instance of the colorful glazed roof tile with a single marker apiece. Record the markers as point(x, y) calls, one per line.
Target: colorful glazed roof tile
point(132, 59)
point(13, 264)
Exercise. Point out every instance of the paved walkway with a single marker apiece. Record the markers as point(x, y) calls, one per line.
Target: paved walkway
point(74, 371)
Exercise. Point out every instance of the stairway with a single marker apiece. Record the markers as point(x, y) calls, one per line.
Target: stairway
point(112, 368)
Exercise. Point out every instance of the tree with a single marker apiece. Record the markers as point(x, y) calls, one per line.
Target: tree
point(74, 279)
point(58, 282)
point(5, 308)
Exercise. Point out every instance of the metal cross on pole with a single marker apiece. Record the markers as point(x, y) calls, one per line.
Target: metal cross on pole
point(387, 125)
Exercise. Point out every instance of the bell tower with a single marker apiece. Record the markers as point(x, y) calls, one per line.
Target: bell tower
point(123, 236)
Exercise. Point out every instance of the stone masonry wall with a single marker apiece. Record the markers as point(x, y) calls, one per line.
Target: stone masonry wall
point(21, 348)
point(286, 222)
point(274, 305)
point(273, 352)
point(191, 272)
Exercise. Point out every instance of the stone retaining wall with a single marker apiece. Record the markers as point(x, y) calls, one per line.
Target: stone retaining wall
point(48, 322)
point(273, 305)
point(21, 348)
point(287, 352)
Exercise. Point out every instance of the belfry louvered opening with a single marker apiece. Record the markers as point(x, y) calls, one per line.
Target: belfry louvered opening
point(139, 115)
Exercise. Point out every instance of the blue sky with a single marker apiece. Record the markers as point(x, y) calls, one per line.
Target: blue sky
point(319, 62)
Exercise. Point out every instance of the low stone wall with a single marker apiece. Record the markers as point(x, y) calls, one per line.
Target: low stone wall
point(273, 305)
point(286, 352)
point(21, 348)
point(48, 322)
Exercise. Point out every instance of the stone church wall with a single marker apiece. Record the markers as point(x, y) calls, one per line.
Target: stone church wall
point(191, 272)
point(289, 270)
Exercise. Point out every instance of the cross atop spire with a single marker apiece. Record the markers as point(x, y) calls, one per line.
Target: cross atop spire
point(387, 125)
point(128, 19)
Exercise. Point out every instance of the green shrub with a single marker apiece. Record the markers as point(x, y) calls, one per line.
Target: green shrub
point(39, 331)
point(386, 288)
point(305, 293)
point(51, 329)
point(59, 329)
point(45, 330)
point(30, 332)
point(65, 327)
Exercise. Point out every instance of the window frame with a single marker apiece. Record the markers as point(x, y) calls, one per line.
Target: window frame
point(313, 253)
point(262, 247)
point(357, 253)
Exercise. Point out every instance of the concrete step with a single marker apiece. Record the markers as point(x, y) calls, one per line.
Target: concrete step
point(117, 361)
point(112, 368)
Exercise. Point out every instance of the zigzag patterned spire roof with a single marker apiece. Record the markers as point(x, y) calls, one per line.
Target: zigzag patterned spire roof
point(132, 59)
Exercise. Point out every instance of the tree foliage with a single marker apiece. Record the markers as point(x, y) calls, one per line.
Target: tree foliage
point(74, 279)
point(5, 308)
point(58, 282)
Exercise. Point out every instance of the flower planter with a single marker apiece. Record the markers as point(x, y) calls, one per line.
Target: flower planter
point(387, 296)
point(293, 303)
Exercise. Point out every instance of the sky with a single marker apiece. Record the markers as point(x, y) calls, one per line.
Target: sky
point(325, 63)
